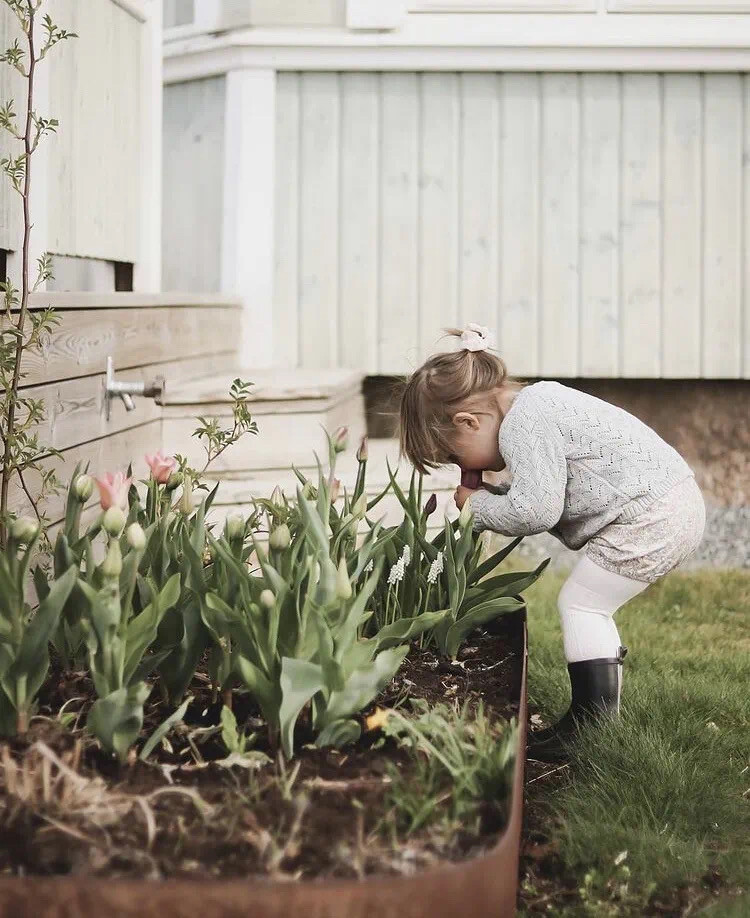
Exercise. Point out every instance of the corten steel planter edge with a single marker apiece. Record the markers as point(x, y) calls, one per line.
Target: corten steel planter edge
point(483, 887)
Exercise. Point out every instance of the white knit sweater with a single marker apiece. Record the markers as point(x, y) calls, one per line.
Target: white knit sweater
point(576, 464)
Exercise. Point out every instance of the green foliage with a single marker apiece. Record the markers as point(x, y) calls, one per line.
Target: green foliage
point(445, 574)
point(25, 634)
point(214, 437)
point(460, 760)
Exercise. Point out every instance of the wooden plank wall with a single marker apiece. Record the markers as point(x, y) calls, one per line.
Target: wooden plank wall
point(93, 89)
point(600, 222)
point(179, 338)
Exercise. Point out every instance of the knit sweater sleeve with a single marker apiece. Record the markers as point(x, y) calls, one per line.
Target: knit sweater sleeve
point(534, 453)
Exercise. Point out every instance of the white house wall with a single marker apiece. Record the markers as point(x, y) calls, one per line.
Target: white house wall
point(192, 179)
point(599, 221)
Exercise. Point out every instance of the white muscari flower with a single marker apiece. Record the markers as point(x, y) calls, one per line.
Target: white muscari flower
point(396, 574)
point(436, 569)
point(369, 567)
point(406, 556)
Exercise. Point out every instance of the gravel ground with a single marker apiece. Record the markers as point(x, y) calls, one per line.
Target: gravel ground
point(726, 542)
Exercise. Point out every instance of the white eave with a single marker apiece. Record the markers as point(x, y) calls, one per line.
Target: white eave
point(522, 42)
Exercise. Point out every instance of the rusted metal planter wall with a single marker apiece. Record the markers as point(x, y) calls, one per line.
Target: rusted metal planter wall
point(484, 887)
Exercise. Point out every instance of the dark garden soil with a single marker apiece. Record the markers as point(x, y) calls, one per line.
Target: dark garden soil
point(72, 810)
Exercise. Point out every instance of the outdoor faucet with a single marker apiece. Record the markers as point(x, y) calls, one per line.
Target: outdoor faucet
point(126, 390)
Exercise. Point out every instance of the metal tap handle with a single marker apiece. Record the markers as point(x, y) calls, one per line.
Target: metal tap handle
point(115, 388)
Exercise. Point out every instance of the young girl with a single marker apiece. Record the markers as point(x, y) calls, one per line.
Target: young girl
point(584, 470)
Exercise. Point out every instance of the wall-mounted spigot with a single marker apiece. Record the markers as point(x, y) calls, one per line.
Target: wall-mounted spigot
point(126, 390)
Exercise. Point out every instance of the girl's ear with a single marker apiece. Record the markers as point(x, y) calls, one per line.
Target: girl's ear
point(466, 420)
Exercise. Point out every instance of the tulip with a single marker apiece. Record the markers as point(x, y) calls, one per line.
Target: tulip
point(431, 506)
point(465, 516)
point(161, 466)
point(343, 584)
point(340, 439)
point(308, 491)
point(112, 564)
point(114, 521)
point(280, 537)
point(267, 599)
point(174, 481)
point(277, 497)
point(113, 490)
point(335, 489)
point(362, 451)
point(83, 488)
point(136, 537)
point(24, 529)
point(235, 526)
point(186, 503)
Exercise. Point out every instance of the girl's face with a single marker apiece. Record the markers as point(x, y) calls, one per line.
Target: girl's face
point(475, 442)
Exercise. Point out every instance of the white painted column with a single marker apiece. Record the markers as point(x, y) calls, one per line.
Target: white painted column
point(147, 268)
point(247, 250)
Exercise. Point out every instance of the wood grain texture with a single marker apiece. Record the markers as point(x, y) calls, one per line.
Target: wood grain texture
point(682, 274)
point(439, 229)
point(358, 222)
point(641, 243)
point(599, 222)
point(319, 220)
point(722, 231)
point(134, 337)
point(600, 216)
point(108, 454)
point(94, 91)
point(286, 305)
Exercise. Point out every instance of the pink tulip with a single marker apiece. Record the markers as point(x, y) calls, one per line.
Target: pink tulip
point(161, 466)
point(113, 490)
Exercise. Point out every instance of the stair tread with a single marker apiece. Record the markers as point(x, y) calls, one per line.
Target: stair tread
point(271, 384)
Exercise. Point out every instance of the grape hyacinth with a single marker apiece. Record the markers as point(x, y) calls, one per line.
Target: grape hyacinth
point(436, 569)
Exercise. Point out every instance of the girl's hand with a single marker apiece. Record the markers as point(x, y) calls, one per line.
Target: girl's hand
point(462, 495)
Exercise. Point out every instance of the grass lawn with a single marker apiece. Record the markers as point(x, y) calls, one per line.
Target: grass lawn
point(652, 815)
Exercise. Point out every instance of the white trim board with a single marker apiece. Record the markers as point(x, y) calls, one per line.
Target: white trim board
point(709, 7)
point(502, 6)
point(478, 43)
point(138, 9)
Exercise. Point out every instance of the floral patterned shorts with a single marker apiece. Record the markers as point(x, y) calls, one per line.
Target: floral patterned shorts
point(658, 540)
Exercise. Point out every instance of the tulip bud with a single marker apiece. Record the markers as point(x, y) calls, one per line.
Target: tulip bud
point(267, 599)
point(277, 497)
point(112, 564)
point(308, 491)
point(343, 584)
point(174, 481)
point(362, 451)
point(83, 488)
point(235, 526)
point(340, 439)
point(24, 529)
point(136, 537)
point(186, 504)
point(280, 537)
point(431, 506)
point(359, 507)
point(114, 521)
point(335, 490)
point(466, 515)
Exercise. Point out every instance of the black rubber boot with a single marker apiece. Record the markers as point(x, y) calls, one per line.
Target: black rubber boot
point(594, 687)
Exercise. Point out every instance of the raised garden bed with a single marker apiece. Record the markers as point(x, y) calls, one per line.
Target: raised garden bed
point(216, 861)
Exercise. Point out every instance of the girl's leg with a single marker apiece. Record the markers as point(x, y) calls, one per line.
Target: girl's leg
point(587, 603)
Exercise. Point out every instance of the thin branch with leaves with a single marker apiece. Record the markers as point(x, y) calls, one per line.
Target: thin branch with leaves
point(22, 331)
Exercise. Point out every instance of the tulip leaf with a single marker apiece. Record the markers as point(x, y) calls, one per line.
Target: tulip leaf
point(299, 681)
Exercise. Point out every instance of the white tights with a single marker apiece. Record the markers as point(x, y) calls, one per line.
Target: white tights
point(587, 603)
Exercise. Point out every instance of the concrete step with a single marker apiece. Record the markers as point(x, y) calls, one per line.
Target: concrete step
point(292, 409)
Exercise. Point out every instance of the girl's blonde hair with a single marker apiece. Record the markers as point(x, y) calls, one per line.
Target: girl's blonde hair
point(433, 394)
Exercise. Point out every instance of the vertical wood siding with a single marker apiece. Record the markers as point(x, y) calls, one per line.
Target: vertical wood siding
point(599, 222)
point(93, 160)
